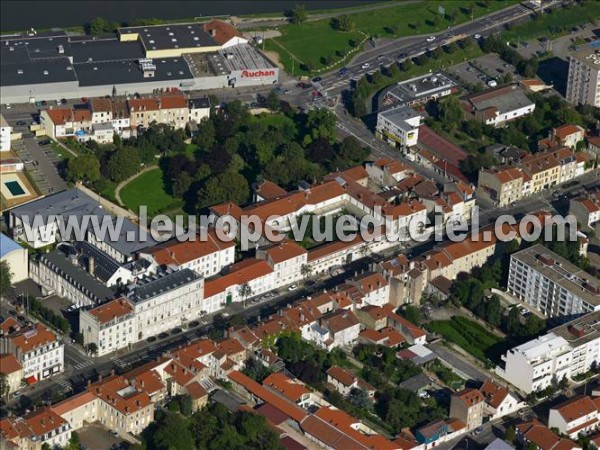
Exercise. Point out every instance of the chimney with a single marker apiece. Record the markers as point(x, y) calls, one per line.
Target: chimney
point(91, 265)
point(213, 32)
point(100, 377)
point(112, 372)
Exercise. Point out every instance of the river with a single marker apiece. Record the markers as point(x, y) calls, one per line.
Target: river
point(23, 14)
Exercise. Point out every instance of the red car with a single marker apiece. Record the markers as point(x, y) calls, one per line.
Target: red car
point(83, 100)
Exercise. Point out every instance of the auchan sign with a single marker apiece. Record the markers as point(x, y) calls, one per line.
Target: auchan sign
point(257, 73)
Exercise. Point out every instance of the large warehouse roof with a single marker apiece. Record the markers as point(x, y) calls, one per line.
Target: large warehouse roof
point(162, 37)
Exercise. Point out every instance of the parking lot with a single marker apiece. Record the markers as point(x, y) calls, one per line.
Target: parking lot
point(97, 437)
point(483, 70)
point(41, 162)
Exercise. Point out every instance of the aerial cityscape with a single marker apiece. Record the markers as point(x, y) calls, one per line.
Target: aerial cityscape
point(300, 225)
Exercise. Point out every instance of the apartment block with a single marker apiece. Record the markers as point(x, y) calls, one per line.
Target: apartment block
point(566, 351)
point(551, 284)
point(36, 430)
point(583, 82)
point(39, 351)
point(110, 326)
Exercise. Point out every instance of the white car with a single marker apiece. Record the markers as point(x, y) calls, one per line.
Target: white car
point(293, 287)
point(431, 39)
point(8, 106)
point(476, 36)
point(366, 65)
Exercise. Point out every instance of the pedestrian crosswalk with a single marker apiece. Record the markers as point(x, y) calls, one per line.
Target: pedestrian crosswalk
point(83, 365)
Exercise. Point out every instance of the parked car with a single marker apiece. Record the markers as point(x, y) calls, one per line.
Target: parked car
point(476, 36)
point(317, 79)
point(293, 287)
point(343, 71)
point(8, 106)
point(366, 65)
point(431, 39)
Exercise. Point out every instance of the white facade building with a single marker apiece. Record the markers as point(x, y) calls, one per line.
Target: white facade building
point(575, 416)
point(165, 300)
point(399, 126)
point(16, 257)
point(583, 82)
point(551, 284)
point(40, 352)
point(566, 351)
point(110, 326)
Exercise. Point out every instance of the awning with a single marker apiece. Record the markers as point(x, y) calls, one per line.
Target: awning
point(31, 380)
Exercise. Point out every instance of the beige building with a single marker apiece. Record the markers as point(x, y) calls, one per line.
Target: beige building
point(467, 406)
point(583, 83)
point(13, 370)
point(41, 427)
point(502, 186)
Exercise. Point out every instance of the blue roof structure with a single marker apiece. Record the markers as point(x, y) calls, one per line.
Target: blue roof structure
point(7, 245)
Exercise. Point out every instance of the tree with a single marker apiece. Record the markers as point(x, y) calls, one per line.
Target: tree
point(350, 153)
point(532, 446)
point(173, 433)
point(450, 113)
point(98, 26)
point(273, 102)
point(123, 163)
point(360, 398)
point(321, 123)
point(510, 434)
point(85, 167)
point(256, 370)
point(412, 314)
point(74, 442)
point(513, 322)
point(4, 385)
point(534, 325)
point(245, 291)
point(493, 311)
point(343, 23)
point(306, 271)
point(92, 348)
point(227, 186)
point(205, 135)
point(46, 446)
point(299, 14)
point(5, 278)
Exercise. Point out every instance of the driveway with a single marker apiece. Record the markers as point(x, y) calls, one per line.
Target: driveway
point(96, 437)
point(458, 362)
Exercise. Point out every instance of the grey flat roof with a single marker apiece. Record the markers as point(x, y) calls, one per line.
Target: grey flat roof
point(398, 116)
point(73, 202)
point(243, 56)
point(68, 202)
point(421, 86)
point(581, 330)
point(589, 56)
point(160, 37)
point(128, 72)
point(163, 281)
point(416, 383)
point(37, 72)
point(106, 50)
point(58, 262)
point(504, 98)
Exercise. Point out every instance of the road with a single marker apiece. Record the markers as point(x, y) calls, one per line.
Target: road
point(456, 361)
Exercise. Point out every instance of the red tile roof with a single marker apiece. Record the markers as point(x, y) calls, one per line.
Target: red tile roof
point(290, 389)
point(565, 131)
point(576, 408)
point(32, 337)
point(243, 272)
point(9, 364)
point(470, 397)
point(284, 251)
point(179, 253)
point(73, 402)
point(112, 310)
point(286, 407)
point(269, 190)
point(220, 31)
point(173, 102)
point(440, 146)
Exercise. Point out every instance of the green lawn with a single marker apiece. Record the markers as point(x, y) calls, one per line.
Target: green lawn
point(148, 189)
point(468, 335)
point(556, 24)
point(312, 41)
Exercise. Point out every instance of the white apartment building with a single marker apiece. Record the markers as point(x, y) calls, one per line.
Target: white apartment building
point(286, 259)
point(5, 132)
point(206, 255)
point(165, 300)
point(250, 276)
point(552, 284)
point(583, 82)
point(399, 126)
point(110, 326)
point(586, 210)
point(566, 351)
point(532, 366)
point(40, 352)
point(16, 257)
